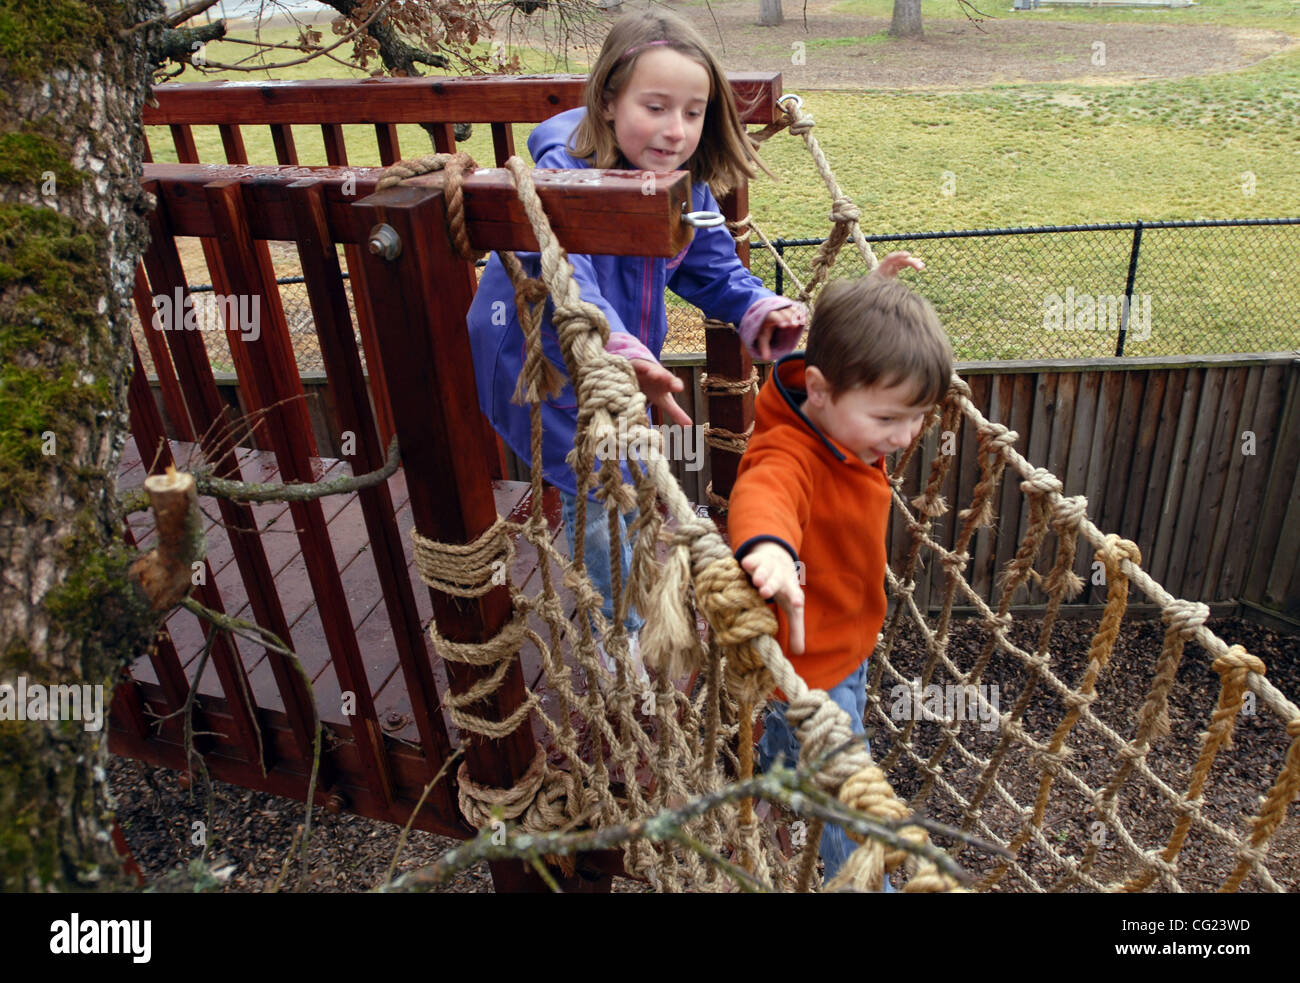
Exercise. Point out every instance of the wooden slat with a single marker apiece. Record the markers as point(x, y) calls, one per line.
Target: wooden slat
point(725, 356)
point(1152, 496)
point(1080, 478)
point(1254, 483)
point(1199, 470)
point(146, 425)
point(390, 152)
point(503, 143)
point(1046, 440)
point(1012, 503)
point(338, 348)
point(969, 471)
point(943, 530)
point(208, 413)
point(282, 139)
point(183, 140)
point(480, 99)
point(1178, 462)
point(1272, 569)
point(336, 148)
point(268, 373)
point(370, 343)
point(1128, 408)
point(444, 137)
point(232, 141)
point(1233, 515)
point(1222, 452)
point(984, 554)
point(173, 398)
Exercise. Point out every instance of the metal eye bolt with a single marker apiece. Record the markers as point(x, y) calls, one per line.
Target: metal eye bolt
point(702, 220)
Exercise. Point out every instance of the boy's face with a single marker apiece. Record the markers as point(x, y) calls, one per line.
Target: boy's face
point(870, 421)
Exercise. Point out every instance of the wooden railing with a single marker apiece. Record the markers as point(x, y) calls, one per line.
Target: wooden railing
point(437, 104)
point(421, 297)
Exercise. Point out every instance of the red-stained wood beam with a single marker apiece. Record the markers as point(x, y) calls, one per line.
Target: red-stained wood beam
point(483, 99)
point(726, 357)
point(422, 297)
point(590, 211)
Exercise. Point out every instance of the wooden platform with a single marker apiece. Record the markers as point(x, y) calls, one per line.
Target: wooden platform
point(369, 617)
point(368, 613)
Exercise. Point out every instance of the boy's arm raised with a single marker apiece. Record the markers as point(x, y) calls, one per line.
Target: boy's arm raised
point(769, 509)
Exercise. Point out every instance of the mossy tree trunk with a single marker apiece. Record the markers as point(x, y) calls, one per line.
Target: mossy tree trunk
point(906, 22)
point(75, 75)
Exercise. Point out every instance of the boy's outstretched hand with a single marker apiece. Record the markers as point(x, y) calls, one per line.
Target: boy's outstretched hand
point(659, 384)
point(773, 572)
point(892, 264)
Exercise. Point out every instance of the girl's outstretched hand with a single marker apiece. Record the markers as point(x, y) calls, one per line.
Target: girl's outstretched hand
point(783, 320)
point(659, 384)
point(894, 262)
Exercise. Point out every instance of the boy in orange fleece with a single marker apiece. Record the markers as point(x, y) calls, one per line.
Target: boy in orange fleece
point(811, 500)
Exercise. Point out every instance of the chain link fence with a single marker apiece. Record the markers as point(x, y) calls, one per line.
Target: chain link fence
point(1093, 291)
point(1083, 291)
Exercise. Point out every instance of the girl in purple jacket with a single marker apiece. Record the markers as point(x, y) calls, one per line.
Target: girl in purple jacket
point(656, 100)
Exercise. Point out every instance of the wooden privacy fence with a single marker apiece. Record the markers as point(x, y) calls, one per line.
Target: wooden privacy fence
point(420, 299)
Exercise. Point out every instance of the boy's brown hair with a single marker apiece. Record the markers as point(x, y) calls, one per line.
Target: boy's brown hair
point(725, 156)
point(875, 330)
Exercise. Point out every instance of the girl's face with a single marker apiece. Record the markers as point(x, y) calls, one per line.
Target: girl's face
point(659, 115)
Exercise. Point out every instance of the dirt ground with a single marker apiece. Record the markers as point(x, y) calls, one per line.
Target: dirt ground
point(958, 54)
point(251, 831)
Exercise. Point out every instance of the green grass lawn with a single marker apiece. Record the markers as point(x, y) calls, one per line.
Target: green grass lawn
point(1218, 146)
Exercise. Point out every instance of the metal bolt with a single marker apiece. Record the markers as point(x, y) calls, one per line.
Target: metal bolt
point(393, 720)
point(385, 242)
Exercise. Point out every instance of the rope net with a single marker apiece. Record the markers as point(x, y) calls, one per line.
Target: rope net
point(622, 747)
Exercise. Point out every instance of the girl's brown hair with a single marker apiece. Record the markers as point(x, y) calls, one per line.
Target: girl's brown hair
point(725, 156)
point(876, 331)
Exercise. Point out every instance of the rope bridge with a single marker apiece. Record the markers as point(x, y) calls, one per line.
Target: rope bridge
point(684, 740)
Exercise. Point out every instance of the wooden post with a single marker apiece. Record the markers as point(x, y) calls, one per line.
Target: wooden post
point(422, 297)
point(725, 356)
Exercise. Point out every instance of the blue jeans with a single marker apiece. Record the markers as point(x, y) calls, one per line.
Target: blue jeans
point(596, 551)
point(779, 740)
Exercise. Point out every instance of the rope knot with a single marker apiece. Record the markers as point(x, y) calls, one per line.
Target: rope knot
point(843, 210)
point(1185, 617)
point(1041, 482)
point(1237, 662)
point(957, 386)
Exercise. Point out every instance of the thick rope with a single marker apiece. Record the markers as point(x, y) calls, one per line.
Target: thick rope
point(753, 664)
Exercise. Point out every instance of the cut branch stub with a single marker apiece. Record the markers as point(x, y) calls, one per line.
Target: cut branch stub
point(165, 573)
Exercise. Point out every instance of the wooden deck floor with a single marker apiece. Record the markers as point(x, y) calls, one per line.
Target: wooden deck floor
point(369, 614)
